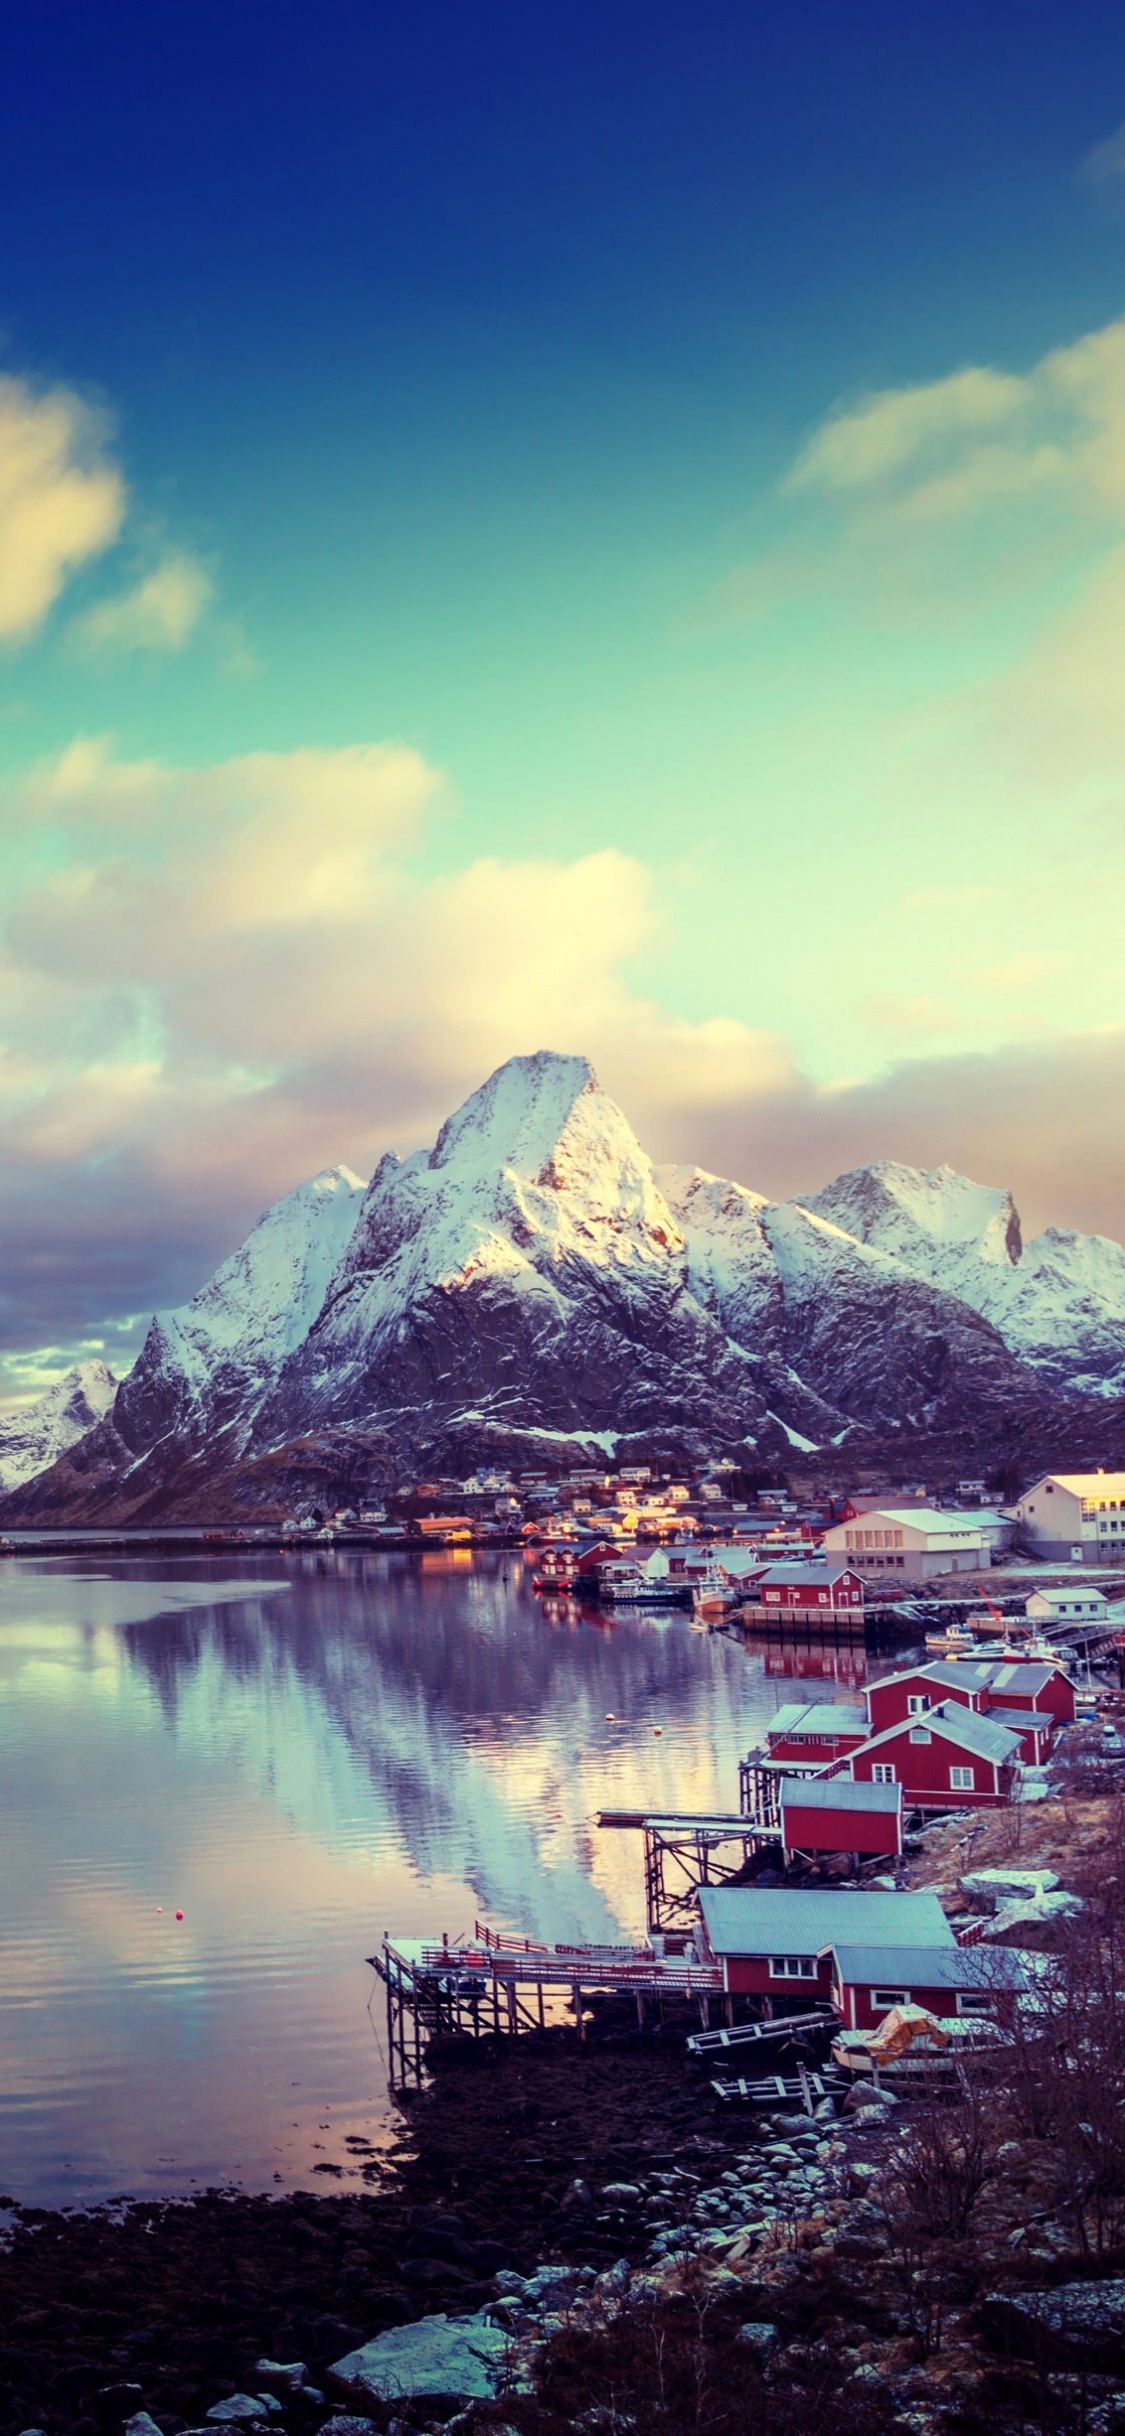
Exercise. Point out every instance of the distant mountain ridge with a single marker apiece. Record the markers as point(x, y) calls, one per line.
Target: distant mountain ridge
point(34, 1436)
point(533, 1282)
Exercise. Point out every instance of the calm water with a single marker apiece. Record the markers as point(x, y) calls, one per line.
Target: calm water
point(297, 1759)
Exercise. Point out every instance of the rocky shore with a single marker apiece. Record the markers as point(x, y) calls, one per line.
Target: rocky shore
point(581, 2237)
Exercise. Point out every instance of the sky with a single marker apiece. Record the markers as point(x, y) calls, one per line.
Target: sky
point(599, 529)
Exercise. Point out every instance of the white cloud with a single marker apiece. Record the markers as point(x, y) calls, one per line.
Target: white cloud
point(61, 499)
point(159, 613)
point(980, 435)
point(221, 979)
point(1104, 163)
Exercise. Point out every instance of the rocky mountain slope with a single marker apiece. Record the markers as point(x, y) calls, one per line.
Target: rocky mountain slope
point(1057, 1301)
point(34, 1436)
point(533, 1284)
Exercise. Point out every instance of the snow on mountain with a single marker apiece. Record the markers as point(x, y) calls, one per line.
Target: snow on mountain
point(207, 1366)
point(34, 1436)
point(1058, 1301)
point(532, 1280)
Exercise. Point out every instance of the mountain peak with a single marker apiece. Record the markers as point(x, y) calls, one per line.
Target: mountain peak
point(933, 1205)
point(518, 1118)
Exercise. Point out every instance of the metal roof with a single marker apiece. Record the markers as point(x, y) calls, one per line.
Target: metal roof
point(1020, 1719)
point(808, 1574)
point(927, 1966)
point(952, 1723)
point(837, 1793)
point(819, 1717)
point(807, 1920)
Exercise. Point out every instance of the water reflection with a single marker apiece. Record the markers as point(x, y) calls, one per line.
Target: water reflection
point(387, 1743)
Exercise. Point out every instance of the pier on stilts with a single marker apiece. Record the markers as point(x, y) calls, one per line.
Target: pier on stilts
point(498, 1986)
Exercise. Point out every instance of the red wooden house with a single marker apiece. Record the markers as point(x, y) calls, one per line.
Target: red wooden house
point(809, 1591)
point(776, 1942)
point(813, 1733)
point(1032, 1700)
point(832, 1815)
point(946, 1757)
point(865, 1980)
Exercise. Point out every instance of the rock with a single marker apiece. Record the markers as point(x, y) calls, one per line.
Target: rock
point(622, 2190)
point(290, 2375)
point(439, 2358)
point(1079, 2324)
point(342, 2423)
point(758, 2335)
point(992, 1886)
point(242, 2407)
point(868, 2100)
point(579, 2195)
point(861, 2175)
point(139, 2425)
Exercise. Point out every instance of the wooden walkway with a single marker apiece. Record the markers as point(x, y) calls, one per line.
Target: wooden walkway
point(495, 1985)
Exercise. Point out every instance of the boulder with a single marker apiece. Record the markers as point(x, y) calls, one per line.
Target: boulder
point(1079, 2325)
point(438, 2359)
point(988, 1887)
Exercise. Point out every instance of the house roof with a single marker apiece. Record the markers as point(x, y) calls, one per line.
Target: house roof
point(920, 1518)
point(1061, 1599)
point(960, 1726)
point(1020, 1719)
point(1019, 1675)
point(807, 1920)
point(836, 1793)
point(926, 1966)
point(817, 1576)
point(817, 1717)
point(1084, 1484)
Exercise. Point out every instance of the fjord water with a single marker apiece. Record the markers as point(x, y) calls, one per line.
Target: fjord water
point(298, 1753)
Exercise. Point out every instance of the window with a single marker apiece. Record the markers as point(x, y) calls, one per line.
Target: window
point(792, 1966)
point(974, 2000)
point(917, 1704)
point(920, 1734)
point(961, 1780)
point(883, 1998)
point(898, 1539)
point(882, 1774)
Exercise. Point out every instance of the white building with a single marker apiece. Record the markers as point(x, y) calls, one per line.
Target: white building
point(1077, 1606)
point(1076, 1516)
point(914, 1542)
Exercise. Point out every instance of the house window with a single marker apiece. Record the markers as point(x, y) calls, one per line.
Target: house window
point(974, 2000)
point(961, 1780)
point(883, 1998)
point(917, 1704)
point(883, 1773)
point(792, 1966)
point(920, 1734)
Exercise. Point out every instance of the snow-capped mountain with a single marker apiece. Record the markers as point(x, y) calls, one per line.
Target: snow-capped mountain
point(206, 1367)
point(1057, 1301)
point(532, 1283)
point(34, 1436)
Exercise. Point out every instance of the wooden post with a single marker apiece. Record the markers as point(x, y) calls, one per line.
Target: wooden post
point(542, 2014)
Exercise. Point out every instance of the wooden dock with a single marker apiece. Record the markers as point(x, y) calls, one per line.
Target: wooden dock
point(685, 1849)
point(491, 1985)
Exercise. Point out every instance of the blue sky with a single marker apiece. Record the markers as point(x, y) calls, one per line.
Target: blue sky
point(603, 532)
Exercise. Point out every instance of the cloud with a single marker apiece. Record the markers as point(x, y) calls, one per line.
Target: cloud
point(214, 981)
point(160, 612)
point(61, 499)
point(980, 436)
point(1104, 163)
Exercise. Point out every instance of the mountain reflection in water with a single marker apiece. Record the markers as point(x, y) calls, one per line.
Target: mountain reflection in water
point(384, 1742)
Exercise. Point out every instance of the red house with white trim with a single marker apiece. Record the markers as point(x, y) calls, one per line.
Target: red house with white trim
point(812, 1733)
point(1032, 1700)
point(947, 1757)
point(776, 1942)
point(809, 1590)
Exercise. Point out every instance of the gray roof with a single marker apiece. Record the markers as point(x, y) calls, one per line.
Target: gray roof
point(953, 1723)
point(813, 1575)
point(817, 1717)
point(1020, 1719)
point(806, 1920)
point(1018, 1675)
point(927, 1966)
point(837, 1793)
